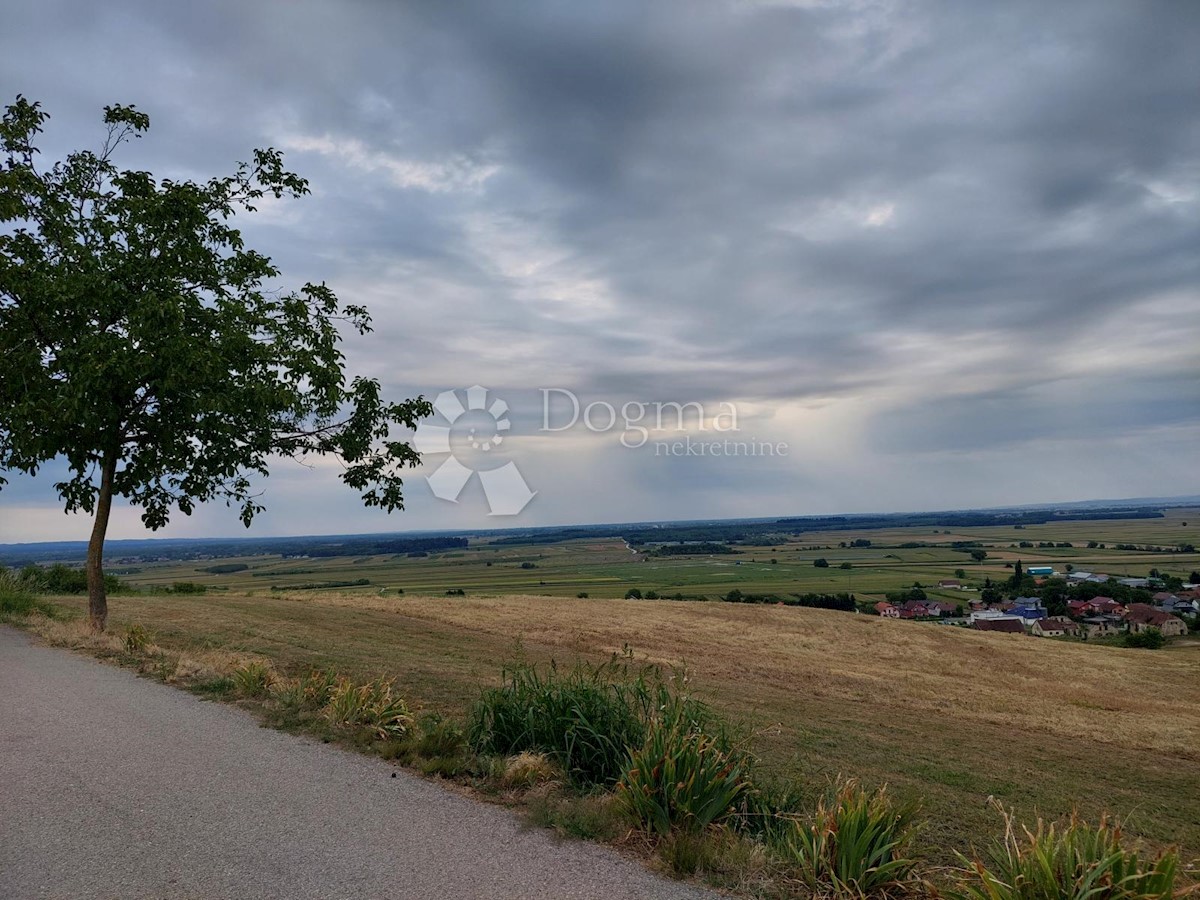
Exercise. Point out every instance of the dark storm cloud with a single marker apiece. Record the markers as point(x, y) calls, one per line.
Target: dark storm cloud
point(935, 211)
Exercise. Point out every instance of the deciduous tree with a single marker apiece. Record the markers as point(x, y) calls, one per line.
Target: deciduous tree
point(143, 344)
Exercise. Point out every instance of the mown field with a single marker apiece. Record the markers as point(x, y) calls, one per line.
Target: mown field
point(944, 715)
point(608, 568)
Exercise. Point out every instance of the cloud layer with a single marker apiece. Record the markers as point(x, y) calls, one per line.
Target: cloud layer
point(948, 253)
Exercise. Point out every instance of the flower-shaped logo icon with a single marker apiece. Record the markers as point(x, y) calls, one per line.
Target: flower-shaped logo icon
point(474, 430)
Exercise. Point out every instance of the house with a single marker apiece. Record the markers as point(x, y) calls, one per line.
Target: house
point(1098, 579)
point(1184, 606)
point(1027, 615)
point(1039, 570)
point(1102, 626)
point(1055, 626)
point(921, 608)
point(1079, 576)
point(1077, 608)
point(1105, 606)
point(951, 584)
point(1003, 623)
point(1134, 582)
point(1172, 603)
point(941, 609)
point(886, 610)
point(979, 615)
point(1142, 616)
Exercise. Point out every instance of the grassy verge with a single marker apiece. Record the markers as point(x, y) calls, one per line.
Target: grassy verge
point(759, 824)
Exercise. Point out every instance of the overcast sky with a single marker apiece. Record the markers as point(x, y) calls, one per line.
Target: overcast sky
point(947, 253)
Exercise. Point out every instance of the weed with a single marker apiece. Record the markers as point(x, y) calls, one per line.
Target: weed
point(1072, 861)
point(769, 807)
point(527, 769)
point(585, 718)
point(253, 680)
point(136, 639)
point(369, 707)
point(682, 779)
point(593, 816)
point(18, 599)
point(686, 853)
point(439, 737)
point(855, 845)
point(214, 688)
point(310, 692)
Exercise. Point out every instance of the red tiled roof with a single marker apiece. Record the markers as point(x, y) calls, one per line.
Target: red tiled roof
point(1147, 615)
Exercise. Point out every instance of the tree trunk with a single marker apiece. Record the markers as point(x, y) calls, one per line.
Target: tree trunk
point(97, 598)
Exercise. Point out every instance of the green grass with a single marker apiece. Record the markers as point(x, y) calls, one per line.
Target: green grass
point(606, 568)
point(585, 717)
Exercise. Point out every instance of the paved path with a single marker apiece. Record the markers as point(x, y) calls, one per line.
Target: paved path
point(113, 786)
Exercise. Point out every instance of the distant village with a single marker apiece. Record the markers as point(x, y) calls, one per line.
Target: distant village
point(1073, 605)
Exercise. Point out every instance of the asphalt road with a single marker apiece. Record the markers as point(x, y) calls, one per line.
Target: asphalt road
point(113, 786)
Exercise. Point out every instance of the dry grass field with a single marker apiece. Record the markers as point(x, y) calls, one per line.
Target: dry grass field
point(942, 714)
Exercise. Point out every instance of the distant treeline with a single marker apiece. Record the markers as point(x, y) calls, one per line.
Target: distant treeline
point(320, 585)
point(383, 547)
point(776, 530)
point(841, 602)
point(317, 546)
point(704, 548)
point(968, 519)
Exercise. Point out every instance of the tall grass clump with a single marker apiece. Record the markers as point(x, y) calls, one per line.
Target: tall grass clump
point(1071, 861)
point(687, 774)
point(310, 692)
point(137, 639)
point(253, 680)
point(585, 718)
point(371, 707)
point(17, 597)
point(856, 844)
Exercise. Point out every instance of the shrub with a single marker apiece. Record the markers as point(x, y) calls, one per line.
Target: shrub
point(821, 563)
point(585, 718)
point(254, 679)
point(1073, 861)
point(633, 594)
point(856, 844)
point(369, 707)
point(60, 579)
point(582, 595)
point(187, 587)
point(1150, 639)
point(682, 779)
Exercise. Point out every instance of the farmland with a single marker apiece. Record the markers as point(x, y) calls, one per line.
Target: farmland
point(609, 567)
point(944, 715)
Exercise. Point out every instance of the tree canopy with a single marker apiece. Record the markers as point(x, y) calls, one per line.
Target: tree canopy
point(148, 347)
